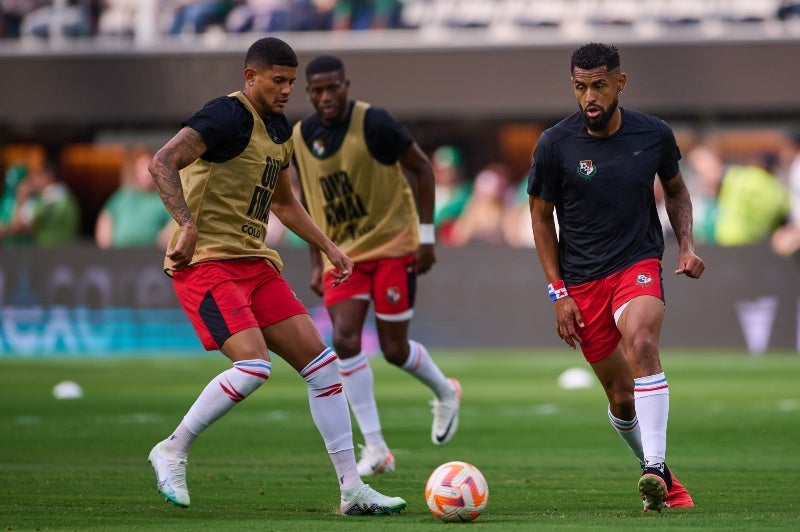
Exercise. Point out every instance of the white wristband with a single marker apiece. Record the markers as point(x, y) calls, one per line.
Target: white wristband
point(427, 235)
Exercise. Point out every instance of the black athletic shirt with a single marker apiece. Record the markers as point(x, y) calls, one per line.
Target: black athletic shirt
point(602, 188)
point(387, 139)
point(226, 127)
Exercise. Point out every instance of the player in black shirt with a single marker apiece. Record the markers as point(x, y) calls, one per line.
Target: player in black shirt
point(220, 177)
point(596, 169)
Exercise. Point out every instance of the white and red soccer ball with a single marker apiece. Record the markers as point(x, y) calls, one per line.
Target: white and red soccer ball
point(456, 491)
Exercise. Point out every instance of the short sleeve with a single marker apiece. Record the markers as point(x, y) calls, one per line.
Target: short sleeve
point(387, 139)
point(668, 167)
point(544, 175)
point(225, 125)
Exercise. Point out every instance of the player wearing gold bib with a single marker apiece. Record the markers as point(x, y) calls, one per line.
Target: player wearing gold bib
point(350, 159)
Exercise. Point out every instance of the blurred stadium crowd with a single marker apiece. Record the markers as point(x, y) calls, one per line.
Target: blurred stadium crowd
point(153, 19)
point(745, 182)
point(745, 187)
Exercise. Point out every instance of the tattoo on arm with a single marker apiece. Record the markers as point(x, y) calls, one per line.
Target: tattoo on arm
point(186, 146)
point(679, 209)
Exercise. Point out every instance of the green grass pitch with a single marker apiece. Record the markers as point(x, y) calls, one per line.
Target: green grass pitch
point(549, 455)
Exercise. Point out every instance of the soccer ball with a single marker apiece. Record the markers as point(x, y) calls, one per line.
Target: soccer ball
point(456, 491)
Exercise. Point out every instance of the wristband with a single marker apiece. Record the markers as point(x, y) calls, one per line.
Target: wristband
point(427, 235)
point(557, 290)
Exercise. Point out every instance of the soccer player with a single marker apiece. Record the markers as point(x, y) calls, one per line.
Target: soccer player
point(350, 159)
point(596, 170)
point(219, 177)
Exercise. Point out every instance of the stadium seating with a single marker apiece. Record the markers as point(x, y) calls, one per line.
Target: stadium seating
point(127, 18)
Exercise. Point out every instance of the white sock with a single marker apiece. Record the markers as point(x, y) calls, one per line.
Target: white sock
point(344, 462)
point(421, 365)
point(181, 439)
point(219, 396)
point(358, 382)
point(629, 431)
point(651, 395)
point(330, 413)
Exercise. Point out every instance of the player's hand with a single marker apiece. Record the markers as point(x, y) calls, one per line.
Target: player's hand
point(343, 265)
point(424, 258)
point(690, 264)
point(181, 254)
point(568, 321)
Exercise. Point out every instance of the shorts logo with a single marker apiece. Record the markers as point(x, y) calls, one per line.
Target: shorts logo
point(644, 279)
point(586, 169)
point(393, 295)
point(318, 147)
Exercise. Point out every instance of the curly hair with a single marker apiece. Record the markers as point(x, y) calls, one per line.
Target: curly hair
point(595, 55)
point(270, 51)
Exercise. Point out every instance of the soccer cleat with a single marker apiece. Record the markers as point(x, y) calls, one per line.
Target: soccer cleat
point(654, 484)
point(170, 468)
point(375, 460)
point(678, 496)
point(445, 416)
point(367, 501)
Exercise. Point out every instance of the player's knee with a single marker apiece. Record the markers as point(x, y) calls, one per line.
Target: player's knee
point(621, 398)
point(395, 352)
point(623, 406)
point(643, 346)
point(347, 345)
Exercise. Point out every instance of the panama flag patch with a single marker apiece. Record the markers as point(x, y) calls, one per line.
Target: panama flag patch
point(318, 147)
point(586, 169)
point(644, 279)
point(393, 295)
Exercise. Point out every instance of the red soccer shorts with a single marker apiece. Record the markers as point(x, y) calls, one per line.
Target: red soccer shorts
point(390, 283)
point(224, 297)
point(598, 300)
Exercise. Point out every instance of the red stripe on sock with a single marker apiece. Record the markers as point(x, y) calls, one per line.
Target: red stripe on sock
point(334, 389)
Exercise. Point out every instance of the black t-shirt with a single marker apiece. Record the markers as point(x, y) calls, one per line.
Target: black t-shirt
point(602, 188)
point(226, 126)
point(387, 139)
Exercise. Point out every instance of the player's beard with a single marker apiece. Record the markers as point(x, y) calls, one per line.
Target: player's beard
point(601, 122)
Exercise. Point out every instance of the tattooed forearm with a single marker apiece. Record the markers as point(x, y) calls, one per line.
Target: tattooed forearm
point(679, 209)
point(178, 153)
point(168, 184)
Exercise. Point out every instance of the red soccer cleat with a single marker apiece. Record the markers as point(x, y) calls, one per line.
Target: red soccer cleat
point(678, 496)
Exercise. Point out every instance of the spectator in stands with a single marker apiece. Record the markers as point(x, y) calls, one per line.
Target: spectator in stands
point(482, 217)
point(195, 16)
point(266, 16)
point(12, 12)
point(452, 191)
point(258, 15)
point(15, 174)
point(703, 170)
point(517, 219)
point(366, 14)
point(73, 18)
point(786, 239)
point(788, 9)
point(752, 203)
point(134, 215)
point(46, 210)
point(119, 18)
